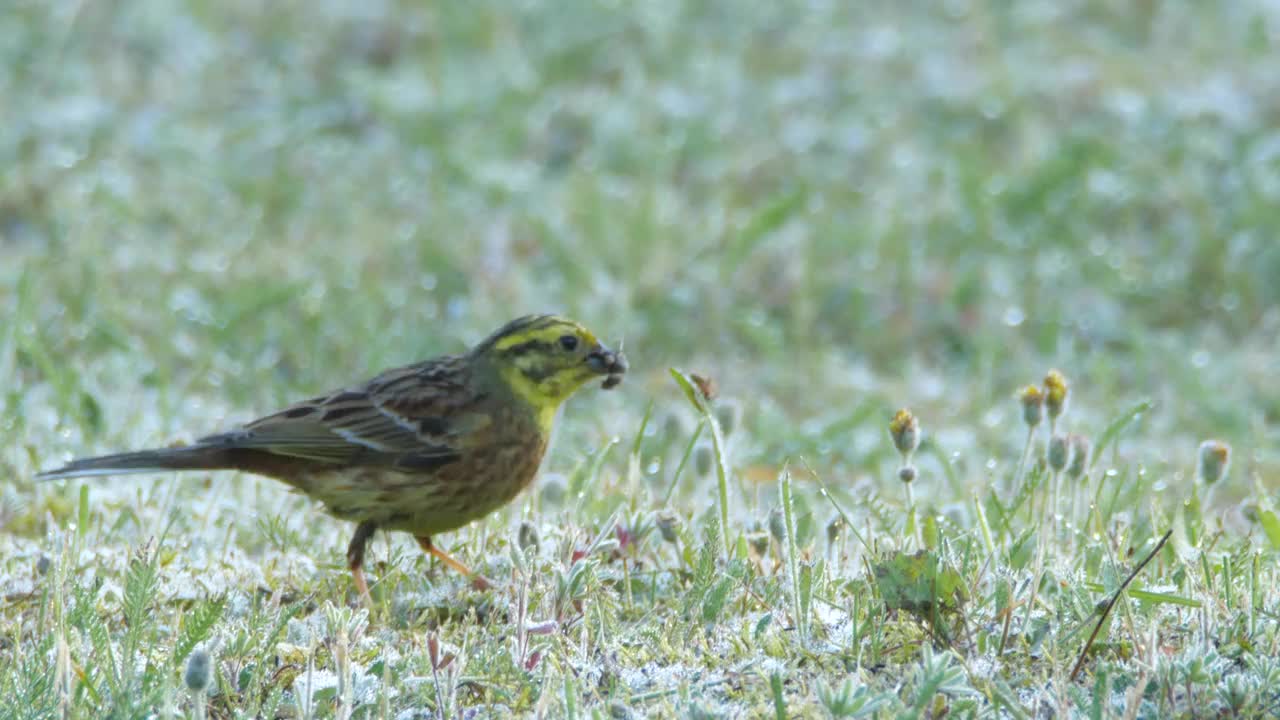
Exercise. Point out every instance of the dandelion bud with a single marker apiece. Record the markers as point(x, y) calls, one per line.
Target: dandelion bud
point(527, 536)
point(672, 426)
point(727, 416)
point(1055, 390)
point(907, 473)
point(1079, 455)
point(1032, 399)
point(703, 458)
point(777, 525)
point(199, 672)
point(905, 431)
point(553, 489)
point(668, 526)
point(1058, 452)
point(1215, 457)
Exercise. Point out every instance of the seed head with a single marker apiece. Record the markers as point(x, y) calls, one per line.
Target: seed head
point(668, 526)
point(905, 431)
point(199, 672)
point(727, 415)
point(527, 536)
point(777, 525)
point(703, 458)
point(1032, 399)
point(672, 426)
point(1215, 458)
point(1079, 455)
point(1055, 390)
point(1058, 451)
point(553, 489)
point(907, 473)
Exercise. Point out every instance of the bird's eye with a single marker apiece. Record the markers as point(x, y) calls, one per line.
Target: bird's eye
point(569, 342)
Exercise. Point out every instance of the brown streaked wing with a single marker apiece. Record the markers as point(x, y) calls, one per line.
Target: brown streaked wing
point(435, 400)
point(403, 417)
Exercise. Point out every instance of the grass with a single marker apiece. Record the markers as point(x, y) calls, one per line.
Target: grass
point(836, 210)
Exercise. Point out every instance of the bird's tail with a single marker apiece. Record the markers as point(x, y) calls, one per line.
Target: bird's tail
point(195, 457)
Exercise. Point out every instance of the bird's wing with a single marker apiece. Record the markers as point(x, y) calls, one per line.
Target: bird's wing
point(414, 418)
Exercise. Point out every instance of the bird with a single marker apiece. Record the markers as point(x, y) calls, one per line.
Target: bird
point(424, 449)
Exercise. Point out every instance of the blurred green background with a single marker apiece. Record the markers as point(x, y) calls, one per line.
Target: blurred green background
point(224, 205)
point(210, 208)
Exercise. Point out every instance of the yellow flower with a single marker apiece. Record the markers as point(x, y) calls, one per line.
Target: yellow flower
point(1032, 399)
point(1056, 389)
point(905, 431)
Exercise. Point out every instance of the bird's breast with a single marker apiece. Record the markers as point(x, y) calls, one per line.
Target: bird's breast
point(480, 482)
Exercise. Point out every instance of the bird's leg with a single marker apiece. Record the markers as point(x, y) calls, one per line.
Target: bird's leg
point(479, 582)
point(355, 557)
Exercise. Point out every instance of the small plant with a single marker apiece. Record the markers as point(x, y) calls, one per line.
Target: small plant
point(1214, 460)
point(198, 676)
point(700, 392)
point(904, 429)
point(1031, 398)
point(1056, 392)
point(851, 700)
point(923, 585)
point(937, 677)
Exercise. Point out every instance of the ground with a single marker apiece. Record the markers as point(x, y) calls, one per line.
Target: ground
point(835, 210)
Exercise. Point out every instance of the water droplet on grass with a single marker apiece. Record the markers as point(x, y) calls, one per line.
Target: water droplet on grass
point(1014, 316)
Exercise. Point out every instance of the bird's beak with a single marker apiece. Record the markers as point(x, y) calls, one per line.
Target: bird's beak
point(606, 362)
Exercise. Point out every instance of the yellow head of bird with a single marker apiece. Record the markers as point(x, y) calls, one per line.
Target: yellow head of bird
point(546, 358)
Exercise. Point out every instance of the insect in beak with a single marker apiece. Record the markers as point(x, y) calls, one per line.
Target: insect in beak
point(611, 364)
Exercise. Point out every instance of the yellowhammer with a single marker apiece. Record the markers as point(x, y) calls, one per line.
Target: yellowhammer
point(425, 448)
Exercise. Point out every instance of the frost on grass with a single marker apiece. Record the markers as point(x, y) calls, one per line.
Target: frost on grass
point(316, 688)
